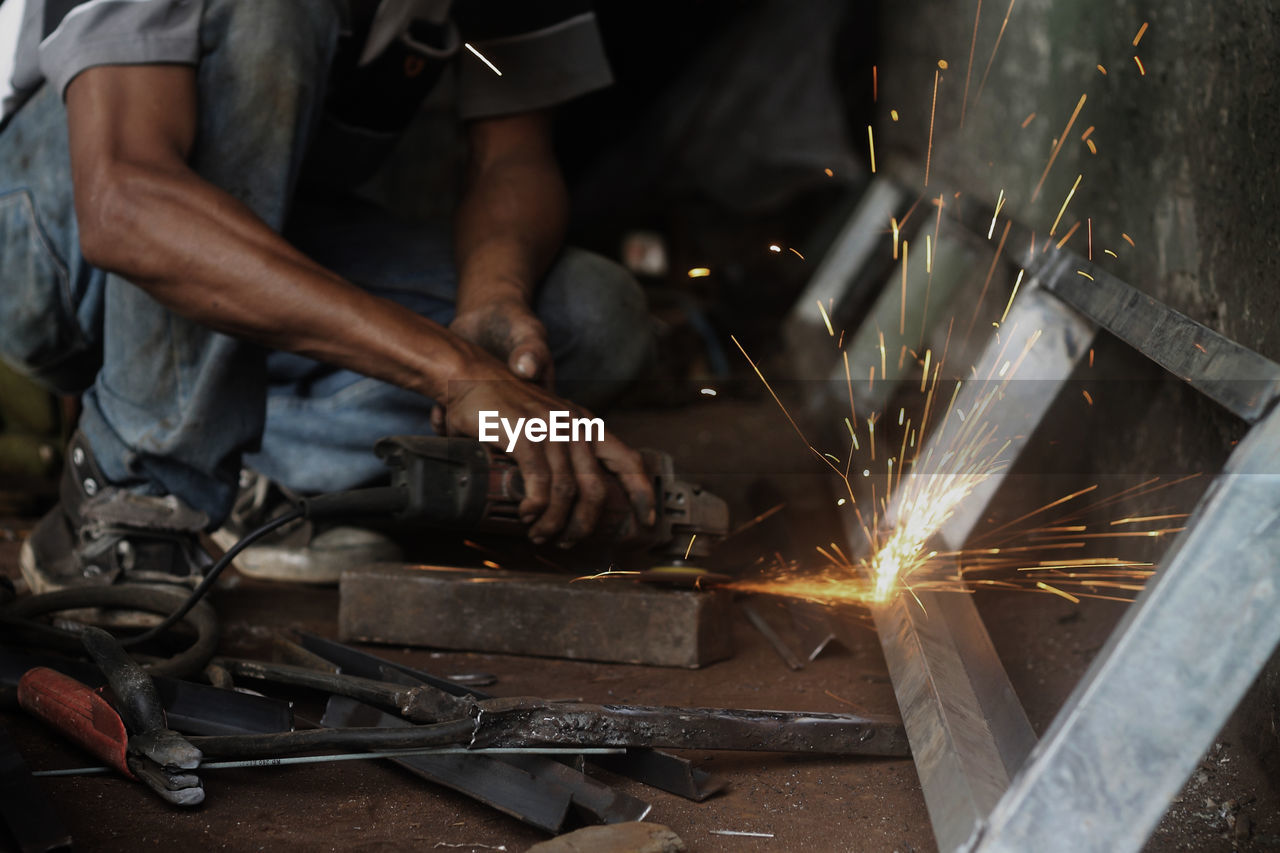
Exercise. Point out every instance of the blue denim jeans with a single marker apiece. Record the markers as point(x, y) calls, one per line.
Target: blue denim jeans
point(171, 407)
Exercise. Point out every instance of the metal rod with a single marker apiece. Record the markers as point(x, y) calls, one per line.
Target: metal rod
point(350, 756)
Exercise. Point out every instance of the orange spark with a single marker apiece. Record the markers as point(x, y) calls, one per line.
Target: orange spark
point(829, 173)
point(1087, 133)
point(990, 272)
point(1026, 121)
point(902, 321)
point(825, 319)
point(1067, 236)
point(1058, 147)
point(1088, 399)
point(1093, 149)
point(1091, 356)
point(1009, 305)
point(994, 48)
point(999, 204)
point(1126, 238)
point(977, 15)
point(1053, 589)
point(928, 157)
point(1141, 31)
point(1103, 70)
point(875, 85)
point(794, 252)
point(1065, 202)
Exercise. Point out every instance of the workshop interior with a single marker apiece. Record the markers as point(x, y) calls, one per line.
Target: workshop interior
point(960, 424)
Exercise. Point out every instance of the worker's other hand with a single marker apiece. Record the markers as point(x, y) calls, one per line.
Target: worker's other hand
point(564, 482)
point(510, 330)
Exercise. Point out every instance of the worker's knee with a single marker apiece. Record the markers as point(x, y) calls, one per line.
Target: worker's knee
point(598, 325)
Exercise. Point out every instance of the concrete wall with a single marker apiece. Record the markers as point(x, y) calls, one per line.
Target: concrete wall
point(1186, 155)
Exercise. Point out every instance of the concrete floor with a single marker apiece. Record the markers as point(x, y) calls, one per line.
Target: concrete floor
point(817, 804)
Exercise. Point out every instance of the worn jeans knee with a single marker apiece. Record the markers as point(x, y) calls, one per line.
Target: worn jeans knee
point(598, 325)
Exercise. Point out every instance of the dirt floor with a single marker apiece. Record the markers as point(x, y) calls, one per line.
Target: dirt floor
point(804, 803)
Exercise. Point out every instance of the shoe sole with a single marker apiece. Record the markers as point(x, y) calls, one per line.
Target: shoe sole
point(36, 581)
point(302, 565)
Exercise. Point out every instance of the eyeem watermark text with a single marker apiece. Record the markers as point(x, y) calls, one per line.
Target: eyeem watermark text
point(559, 427)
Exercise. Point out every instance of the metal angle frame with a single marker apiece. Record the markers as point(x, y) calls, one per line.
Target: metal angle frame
point(969, 734)
point(1134, 728)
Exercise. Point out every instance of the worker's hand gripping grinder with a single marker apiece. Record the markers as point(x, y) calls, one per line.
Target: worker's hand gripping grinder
point(463, 484)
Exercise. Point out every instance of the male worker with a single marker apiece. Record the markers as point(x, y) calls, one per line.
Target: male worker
point(152, 154)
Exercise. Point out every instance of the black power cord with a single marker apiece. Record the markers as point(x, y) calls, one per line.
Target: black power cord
point(218, 568)
point(356, 503)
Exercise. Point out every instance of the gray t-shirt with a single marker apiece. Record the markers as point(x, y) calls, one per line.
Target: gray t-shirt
point(390, 54)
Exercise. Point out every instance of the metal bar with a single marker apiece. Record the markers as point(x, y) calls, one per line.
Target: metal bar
point(536, 722)
point(1170, 675)
point(531, 613)
point(968, 731)
point(1062, 338)
point(658, 769)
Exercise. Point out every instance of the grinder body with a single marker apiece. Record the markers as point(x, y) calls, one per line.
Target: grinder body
point(460, 482)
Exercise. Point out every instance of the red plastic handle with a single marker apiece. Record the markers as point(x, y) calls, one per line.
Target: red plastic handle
point(79, 712)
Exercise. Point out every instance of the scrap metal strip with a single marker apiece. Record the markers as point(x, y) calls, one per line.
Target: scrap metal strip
point(655, 768)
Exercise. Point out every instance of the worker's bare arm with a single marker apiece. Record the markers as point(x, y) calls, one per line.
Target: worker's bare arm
point(145, 214)
point(510, 225)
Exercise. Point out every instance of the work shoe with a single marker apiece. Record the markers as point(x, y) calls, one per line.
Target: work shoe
point(99, 534)
point(301, 552)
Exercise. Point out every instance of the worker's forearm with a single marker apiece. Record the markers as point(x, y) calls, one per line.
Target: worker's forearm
point(509, 228)
point(207, 257)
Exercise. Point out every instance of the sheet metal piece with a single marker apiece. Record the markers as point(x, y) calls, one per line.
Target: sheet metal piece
point(528, 613)
point(1154, 699)
point(660, 770)
point(494, 782)
point(25, 810)
point(766, 630)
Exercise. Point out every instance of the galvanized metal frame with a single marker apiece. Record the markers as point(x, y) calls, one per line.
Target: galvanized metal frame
point(1172, 672)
